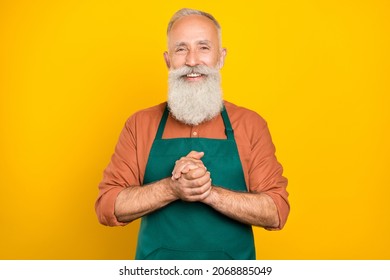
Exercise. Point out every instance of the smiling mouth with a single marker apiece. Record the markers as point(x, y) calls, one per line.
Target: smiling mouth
point(193, 75)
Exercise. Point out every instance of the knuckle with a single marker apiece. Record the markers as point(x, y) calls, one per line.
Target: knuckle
point(199, 182)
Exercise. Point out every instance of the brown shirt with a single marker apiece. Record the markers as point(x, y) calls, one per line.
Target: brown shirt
point(261, 169)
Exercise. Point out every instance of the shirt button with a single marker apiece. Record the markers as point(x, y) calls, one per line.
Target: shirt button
point(194, 133)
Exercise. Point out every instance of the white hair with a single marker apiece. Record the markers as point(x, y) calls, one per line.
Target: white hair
point(187, 12)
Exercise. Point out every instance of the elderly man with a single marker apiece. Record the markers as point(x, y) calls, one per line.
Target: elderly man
point(199, 170)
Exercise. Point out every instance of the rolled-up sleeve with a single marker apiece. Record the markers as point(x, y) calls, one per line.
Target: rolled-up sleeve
point(266, 173)
point(122, 172)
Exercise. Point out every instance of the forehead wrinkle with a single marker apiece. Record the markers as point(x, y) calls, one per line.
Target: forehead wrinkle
point(180, 44)
point(199, 42)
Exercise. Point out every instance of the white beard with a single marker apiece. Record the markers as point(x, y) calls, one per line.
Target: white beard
point(194, 102)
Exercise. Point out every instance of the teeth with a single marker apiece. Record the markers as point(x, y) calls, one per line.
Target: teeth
point(193, 75)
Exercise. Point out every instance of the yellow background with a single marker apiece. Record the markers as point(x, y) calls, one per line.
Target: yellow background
point(71, 72)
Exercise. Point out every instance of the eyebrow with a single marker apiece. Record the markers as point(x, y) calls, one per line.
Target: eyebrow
point(204, 42)
point(180, 44)
point(200, 42)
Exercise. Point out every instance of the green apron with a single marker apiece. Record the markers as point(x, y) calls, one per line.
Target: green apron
point(194, 230)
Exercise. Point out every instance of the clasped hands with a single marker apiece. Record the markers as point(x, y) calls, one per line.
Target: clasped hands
point(190, 179)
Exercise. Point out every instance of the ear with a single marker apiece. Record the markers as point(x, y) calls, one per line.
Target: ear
point(222, 57)
point(166, 58)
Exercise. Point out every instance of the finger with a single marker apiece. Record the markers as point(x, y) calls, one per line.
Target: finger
point(197, 194)
point(184, 165)
point(204, 195)
point(185, 168)
point(189, 167)
point(195, 155)
point(200, 174)
point(186, 159)
point(192, 190)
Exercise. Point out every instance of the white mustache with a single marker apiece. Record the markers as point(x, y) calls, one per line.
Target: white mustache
point(185, 70)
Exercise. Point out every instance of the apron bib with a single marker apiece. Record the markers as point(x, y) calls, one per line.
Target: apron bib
point(194, 230)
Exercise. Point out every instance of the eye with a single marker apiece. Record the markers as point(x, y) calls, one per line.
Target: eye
point(180, 50)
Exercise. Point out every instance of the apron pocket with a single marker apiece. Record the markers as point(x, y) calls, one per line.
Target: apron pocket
point(173, 254)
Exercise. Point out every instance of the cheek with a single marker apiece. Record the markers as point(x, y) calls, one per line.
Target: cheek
point(177, 62)
point(211, 60)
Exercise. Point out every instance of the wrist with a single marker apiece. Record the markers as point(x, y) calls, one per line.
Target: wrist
point(213, 197)
point(168, 189)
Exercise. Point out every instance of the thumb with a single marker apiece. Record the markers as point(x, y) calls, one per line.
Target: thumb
point(195, 155)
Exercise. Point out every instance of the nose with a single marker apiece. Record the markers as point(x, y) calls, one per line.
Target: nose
point(192, 58)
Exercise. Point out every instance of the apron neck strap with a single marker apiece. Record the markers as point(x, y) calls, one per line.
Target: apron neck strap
point(225, 117)
point(228, 125)
point(163, 121)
